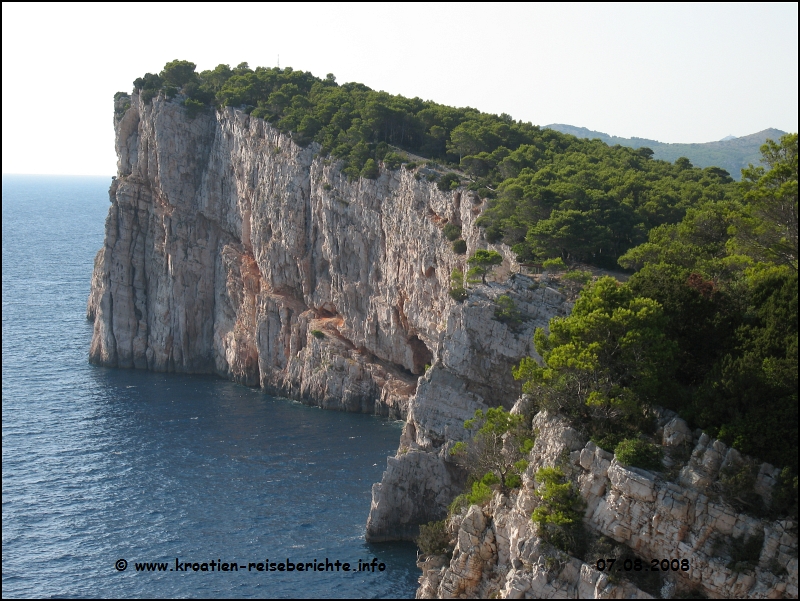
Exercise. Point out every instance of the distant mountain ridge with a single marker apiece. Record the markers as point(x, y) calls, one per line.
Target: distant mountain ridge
point(730, 153)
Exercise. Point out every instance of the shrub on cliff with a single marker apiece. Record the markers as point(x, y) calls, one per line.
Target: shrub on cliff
point(478, 493)
point(393, 160)
point(193, 107)
point(507, 312)
point(457, 291)
point(370, 170)
point(449, 181)
point(434, 539)
point(352, 173)
point(558, 515)
point(452, 231)
point(554, 265)
point(635, 452)
point(608, 442)
point(784, 495)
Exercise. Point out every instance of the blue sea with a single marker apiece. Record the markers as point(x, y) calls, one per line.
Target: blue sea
point(103, 465)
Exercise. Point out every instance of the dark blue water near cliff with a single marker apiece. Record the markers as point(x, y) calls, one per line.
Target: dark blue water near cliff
point(102, 464)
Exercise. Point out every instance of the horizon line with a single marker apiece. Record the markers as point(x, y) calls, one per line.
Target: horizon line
point(64, 174)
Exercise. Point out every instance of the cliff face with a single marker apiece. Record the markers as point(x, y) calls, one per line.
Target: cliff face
point(498, 551)
point(231, 250)
point(473, 371)
point(227, 245)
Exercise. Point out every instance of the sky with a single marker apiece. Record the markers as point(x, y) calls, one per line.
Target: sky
point(672, 72)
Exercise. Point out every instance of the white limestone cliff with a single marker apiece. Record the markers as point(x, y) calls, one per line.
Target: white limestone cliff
point(472, 371)
point(227, 245)
point(229, 249)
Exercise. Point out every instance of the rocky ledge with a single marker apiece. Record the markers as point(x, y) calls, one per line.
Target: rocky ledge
point(678, 514)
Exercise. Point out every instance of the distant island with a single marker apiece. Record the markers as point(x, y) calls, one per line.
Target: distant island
point(731, 153)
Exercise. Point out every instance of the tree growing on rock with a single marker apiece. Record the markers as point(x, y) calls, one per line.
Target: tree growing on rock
point(457, 291)
point(434, 538)
point(370, 170)
point(178, 73)
point(482, 262)
point(558, 515)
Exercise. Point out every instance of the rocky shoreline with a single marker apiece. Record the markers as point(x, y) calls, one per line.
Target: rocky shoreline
point(231, 250)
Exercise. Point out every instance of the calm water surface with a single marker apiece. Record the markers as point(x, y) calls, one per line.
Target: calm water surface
point(102, 464)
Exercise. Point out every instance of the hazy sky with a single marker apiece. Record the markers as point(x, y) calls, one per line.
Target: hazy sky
point(670, 72)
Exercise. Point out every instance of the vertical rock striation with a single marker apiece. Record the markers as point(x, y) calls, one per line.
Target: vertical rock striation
point(227, 245)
